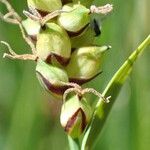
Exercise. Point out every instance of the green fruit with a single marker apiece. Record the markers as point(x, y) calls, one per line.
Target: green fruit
point(51, 78)
point(75, 18)
point(53, 41)
point(85, 63)
point(75, 115)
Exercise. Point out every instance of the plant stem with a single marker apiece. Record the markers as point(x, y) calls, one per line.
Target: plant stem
point(74, 144)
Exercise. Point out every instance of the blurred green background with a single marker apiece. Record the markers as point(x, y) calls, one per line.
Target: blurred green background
point(29, 118)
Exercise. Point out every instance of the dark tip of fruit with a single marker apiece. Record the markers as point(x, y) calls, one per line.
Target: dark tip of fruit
point(65, 2)
point(74, 34)
point(53, 88)
point(72, 120)
point(81, 81)
point(43, 13)
point(62, 60)
point(43, 27)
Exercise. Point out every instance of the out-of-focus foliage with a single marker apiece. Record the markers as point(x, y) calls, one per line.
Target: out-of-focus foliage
point(29, 118)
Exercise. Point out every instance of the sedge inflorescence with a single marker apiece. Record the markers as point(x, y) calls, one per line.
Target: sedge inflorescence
point(61, 36)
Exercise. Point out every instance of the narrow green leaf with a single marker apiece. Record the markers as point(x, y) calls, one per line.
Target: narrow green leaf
point(113, 88)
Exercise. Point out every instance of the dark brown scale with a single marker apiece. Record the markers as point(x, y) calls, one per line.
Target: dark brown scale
point(53, 88)
point(34, 38)
point(73, 34)
point(81, 81)
point(43, 27)
point(73, 119)
point(72, 50)
point(65, 1)
point(43, 13)
point(63, 61)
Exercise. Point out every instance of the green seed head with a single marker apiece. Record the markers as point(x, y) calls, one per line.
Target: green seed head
point(75, 18)
point(45, 5)
point(53, 41)
point(51, 78)
point(87, 63)
point(75, 115)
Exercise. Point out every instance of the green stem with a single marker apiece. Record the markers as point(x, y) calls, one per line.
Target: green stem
point(113, 88)
point(74, 144)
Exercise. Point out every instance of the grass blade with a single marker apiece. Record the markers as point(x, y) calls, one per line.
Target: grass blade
point(113, 88)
